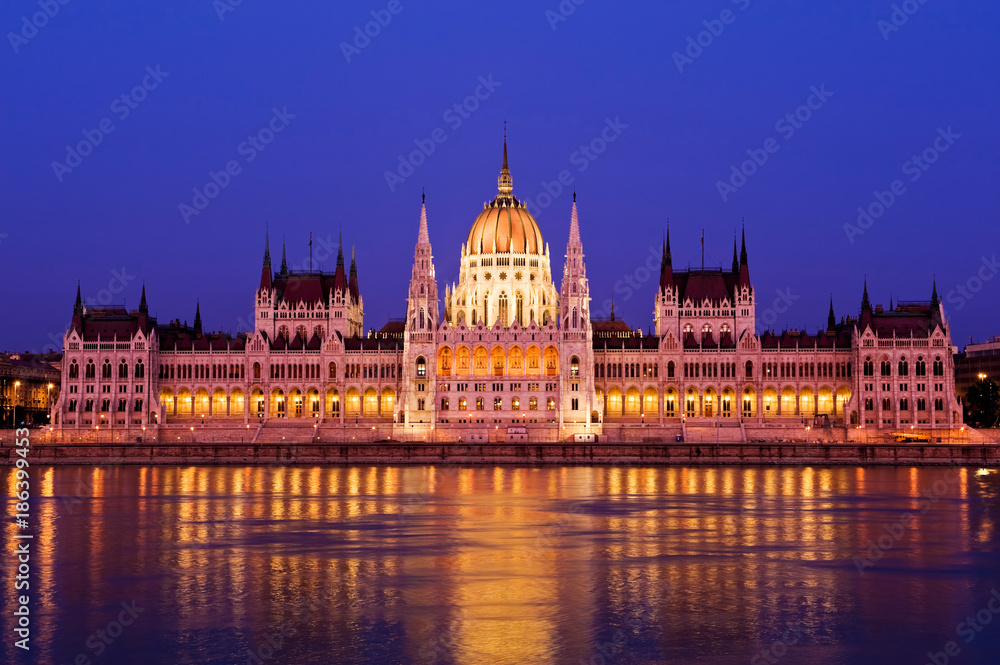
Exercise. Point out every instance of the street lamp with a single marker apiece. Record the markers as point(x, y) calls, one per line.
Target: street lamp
point(48, 401)
point(14, 413)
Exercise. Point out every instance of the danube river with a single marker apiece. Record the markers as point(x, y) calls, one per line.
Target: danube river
point(496, 565)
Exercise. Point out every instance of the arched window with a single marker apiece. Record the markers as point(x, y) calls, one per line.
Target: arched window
point(106, 370)
point(921, 367)
point(123, 369)
point(422, 318)
point(74, 371)
point(749, 369)
point(333, 370)
point(574, 363)
point(938, 366)
point(670, 369)
point(503, 312)
point(140, 369)
point(886, 367)
point(575, 325)
point(904, 367)
point(519, 308)
point(869, 367)
point(421, 367)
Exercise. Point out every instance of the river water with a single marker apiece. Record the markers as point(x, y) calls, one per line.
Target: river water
point(500, 564)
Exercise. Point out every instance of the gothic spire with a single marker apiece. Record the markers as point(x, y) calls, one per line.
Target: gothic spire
point(866, 304)
point(934, 294)
point(143, 307)
point(423, 236)
point(744, 265)
point(831, 320)
point(197, 320)
point(666, 262)
point(505, 183)
point(736, 261)
point(574, 224)
point(284, 262)
point(78, 306)
point(267, 250)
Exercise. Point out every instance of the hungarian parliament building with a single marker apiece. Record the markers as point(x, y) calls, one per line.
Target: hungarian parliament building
point(508, 355)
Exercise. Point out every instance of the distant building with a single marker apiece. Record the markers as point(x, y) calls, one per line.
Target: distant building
point(29, 386)
point(512, 351)
point(975, 360)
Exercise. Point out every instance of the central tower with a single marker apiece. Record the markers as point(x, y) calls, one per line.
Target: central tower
point(505, 274)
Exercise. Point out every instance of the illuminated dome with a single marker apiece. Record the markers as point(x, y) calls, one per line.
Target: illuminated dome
point(505, 225)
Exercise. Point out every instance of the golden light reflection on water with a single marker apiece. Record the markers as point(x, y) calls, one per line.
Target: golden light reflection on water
point(505, 564)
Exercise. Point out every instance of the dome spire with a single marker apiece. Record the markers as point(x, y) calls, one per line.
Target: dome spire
point(505, 182)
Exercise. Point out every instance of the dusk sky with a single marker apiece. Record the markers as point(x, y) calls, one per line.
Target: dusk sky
point(885, 86)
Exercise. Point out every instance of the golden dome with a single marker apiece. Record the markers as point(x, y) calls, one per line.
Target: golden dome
point(505, 225)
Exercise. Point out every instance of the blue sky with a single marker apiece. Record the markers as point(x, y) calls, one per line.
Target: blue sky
point(693, 91)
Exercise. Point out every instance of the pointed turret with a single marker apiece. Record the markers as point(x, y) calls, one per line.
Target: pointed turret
point(866, 309)
point(266, 274)
point(666, 265)
point(284, 262)
point(505, 183)
point(574, 299)
point(352, 279)
point(422, 303)
point(77, 323)
point(744, 267)
point(197, 320)
point(143, 306)
point(340, 275)
point(423, 236)
point(612, 309)
point(934, 295)
point(736, 260)
point(831, 320)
